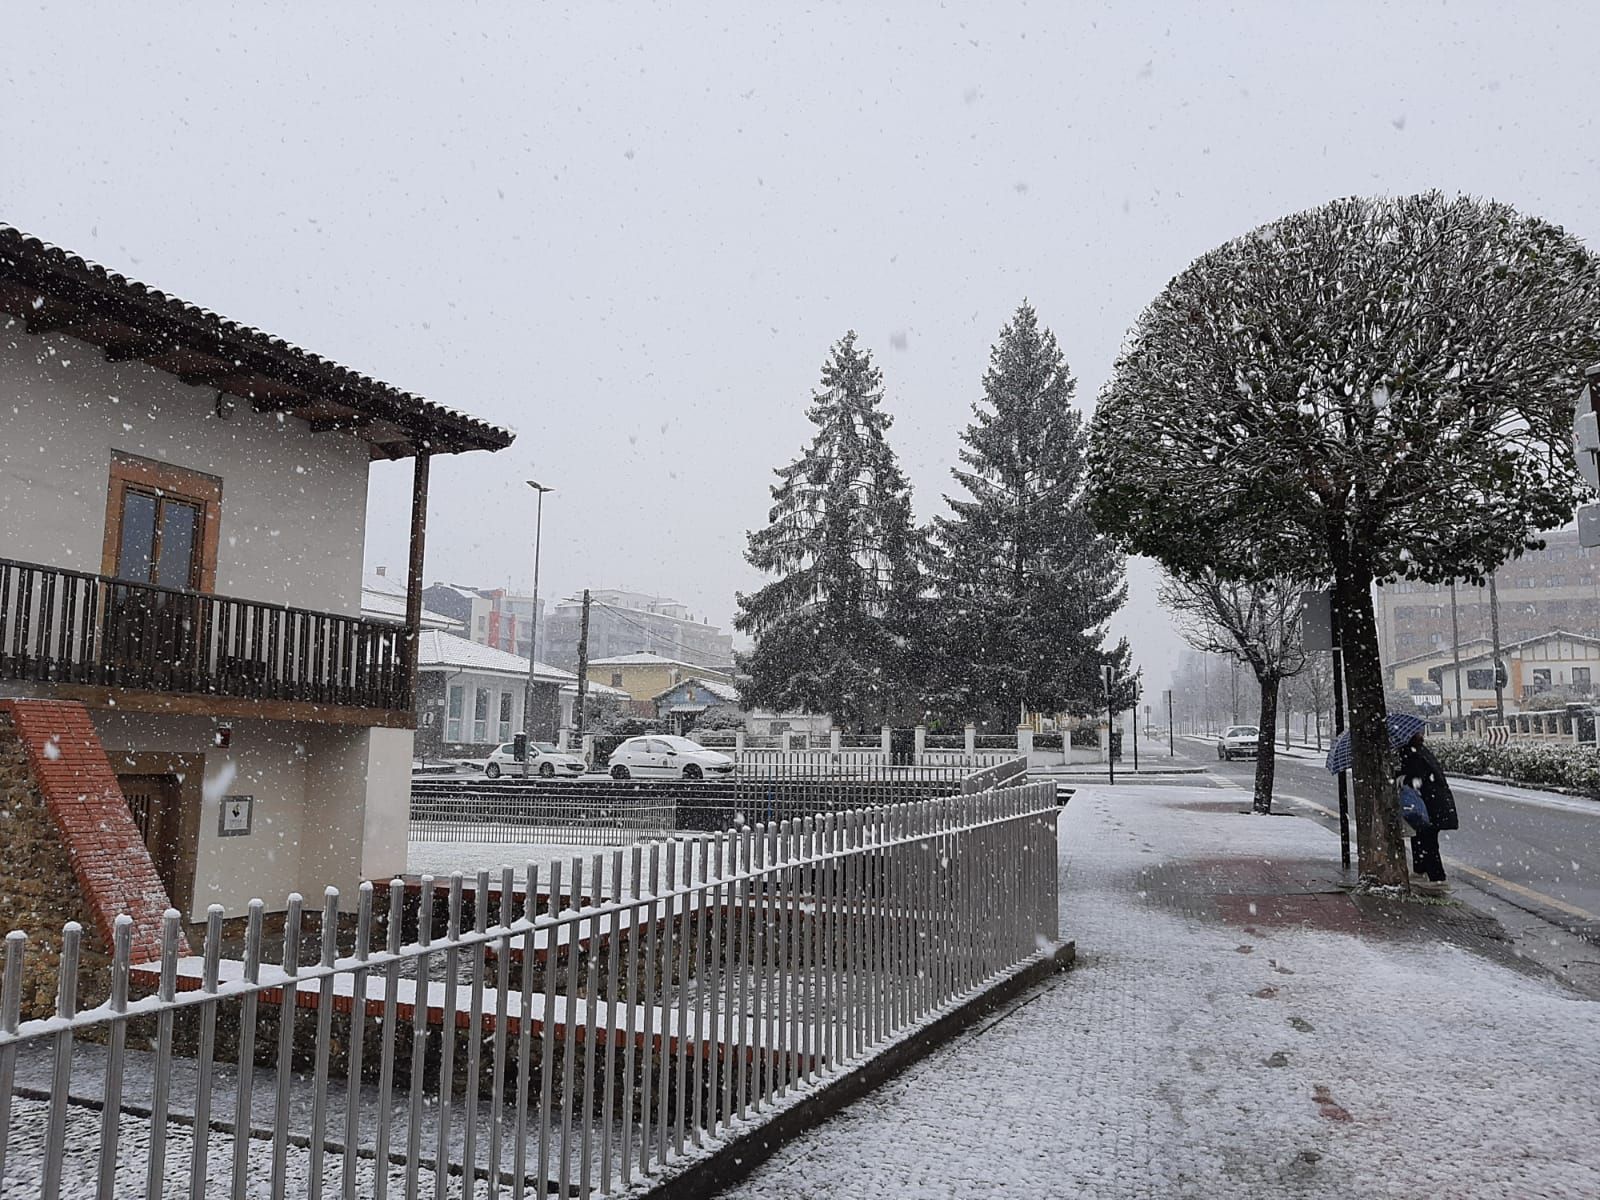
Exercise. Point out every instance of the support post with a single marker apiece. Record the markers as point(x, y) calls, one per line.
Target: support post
point(1171, 746)
point(419, 537)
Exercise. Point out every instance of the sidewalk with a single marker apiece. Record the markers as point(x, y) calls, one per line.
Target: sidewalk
point(1237, 1026)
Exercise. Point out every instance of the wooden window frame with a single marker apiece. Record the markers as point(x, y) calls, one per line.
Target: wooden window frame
point(180, 483)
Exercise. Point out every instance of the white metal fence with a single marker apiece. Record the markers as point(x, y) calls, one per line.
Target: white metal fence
point(576, 1030)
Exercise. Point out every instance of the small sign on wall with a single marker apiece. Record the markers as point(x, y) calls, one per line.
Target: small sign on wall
point(237, 813)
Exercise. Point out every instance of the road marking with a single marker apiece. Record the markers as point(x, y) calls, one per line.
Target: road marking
point(1528, 893)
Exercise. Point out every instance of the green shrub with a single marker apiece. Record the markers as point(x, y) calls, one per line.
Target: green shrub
point(1532, 764)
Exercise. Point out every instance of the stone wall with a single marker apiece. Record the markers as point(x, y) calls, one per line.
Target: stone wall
point(38, 891)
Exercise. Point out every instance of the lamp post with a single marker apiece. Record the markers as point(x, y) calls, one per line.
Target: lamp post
point(533, 639)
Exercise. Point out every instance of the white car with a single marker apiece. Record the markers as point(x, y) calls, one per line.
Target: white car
point(543, 760)
point(660, 756)
point(1238, 741)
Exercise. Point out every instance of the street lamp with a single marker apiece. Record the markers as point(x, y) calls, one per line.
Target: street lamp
point(533, 640)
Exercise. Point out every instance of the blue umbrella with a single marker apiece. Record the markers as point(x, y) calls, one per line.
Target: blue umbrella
point(1402, 728)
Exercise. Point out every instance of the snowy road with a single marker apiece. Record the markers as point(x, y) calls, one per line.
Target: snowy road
point(1534, 848)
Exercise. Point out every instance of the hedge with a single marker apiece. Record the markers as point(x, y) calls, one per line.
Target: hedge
point(1554, 765)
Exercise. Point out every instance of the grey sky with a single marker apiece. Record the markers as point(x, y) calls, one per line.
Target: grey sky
point(631, 233)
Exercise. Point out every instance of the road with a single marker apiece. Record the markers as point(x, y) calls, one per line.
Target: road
point(1538, 850)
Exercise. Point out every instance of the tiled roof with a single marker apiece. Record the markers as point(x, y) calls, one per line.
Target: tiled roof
point(54, 289)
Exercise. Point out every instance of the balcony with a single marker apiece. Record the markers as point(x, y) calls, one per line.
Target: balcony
point(146, 648)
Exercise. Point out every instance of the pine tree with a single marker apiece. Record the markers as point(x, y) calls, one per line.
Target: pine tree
point(1027, 581)
point(837, 630)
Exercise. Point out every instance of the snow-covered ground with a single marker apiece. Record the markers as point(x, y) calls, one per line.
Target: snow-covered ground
point(1186, 1056)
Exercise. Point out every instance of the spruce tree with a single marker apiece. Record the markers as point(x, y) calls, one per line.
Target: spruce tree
point(1027, 582)
point(837, 629)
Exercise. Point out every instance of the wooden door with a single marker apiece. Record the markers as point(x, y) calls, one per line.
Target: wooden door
point(157, 807)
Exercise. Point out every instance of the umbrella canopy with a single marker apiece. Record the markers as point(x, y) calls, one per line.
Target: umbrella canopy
point(1402, 728)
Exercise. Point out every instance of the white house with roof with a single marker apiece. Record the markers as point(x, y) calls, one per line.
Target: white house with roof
point(1561, 662)
point(185, 507)
point(692, 701)
point(470, 697)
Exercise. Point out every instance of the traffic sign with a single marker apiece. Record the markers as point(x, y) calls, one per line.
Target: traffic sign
point(1586, 429)
point(1589, 525)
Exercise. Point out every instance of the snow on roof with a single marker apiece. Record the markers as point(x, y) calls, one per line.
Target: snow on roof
point(724, 692)
point(442, 650)
point(384, 605)
point(1506, 648)
point(646, 657)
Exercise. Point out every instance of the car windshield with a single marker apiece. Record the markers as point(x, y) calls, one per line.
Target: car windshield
point(546, 748)
point(1242, 731)
point(681, 743)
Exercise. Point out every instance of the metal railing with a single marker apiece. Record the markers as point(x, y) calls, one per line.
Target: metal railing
point(601, 811)
point(61, 626)
point(579, 1031)
point(580, 814)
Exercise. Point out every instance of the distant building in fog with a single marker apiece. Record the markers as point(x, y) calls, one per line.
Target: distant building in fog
point(632, 622)
point(1557, 588)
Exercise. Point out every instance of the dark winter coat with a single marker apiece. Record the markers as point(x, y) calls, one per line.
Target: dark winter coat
point(1421, 770)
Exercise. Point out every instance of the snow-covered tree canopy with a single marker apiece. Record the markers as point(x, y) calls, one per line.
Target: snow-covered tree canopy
point(1026, 581)
point(836, 626)
point(1385, 380)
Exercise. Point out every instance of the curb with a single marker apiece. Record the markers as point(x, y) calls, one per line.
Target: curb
point(736, 1159)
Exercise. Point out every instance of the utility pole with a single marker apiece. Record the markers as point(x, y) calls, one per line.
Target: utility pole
point(1494, 636)
point(583, 663)
point(533, 636)
point(1171, 748)
point(1455, 659)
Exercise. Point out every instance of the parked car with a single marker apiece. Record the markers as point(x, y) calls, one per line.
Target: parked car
point(1238, 741)
point(543, 759)
point(661, 756)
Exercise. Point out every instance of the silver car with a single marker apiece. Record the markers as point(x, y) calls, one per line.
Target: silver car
point(1238, 741)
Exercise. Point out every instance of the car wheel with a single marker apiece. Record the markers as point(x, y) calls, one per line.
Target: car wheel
point(492, 770)
point(546, 770)
point(693, 771)
point(619, 772)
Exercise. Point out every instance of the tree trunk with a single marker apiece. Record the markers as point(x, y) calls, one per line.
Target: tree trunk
point(1266, 751)
point(1379, 847)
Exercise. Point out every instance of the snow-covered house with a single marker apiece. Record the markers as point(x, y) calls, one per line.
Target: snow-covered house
point(1561, 662)
point(470, 697)
point(184, 503)
point(693, 701)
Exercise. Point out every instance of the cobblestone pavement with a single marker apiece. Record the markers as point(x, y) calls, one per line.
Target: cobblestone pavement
point(1237, 1026)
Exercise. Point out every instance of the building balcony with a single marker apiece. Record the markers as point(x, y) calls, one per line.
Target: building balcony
point(139, 647)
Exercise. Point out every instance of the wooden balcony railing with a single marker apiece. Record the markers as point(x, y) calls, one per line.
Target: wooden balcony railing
point(69, 627)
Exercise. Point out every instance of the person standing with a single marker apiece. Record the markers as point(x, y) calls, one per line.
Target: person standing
point(1421, 770)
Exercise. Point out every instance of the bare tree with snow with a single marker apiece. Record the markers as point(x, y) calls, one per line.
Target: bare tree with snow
point(1257, 624)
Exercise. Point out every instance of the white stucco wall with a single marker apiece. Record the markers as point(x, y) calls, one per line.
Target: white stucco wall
point(293, 502)
point(331, 804)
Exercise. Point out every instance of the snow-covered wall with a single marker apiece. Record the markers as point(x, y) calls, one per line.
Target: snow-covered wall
point(293, 502)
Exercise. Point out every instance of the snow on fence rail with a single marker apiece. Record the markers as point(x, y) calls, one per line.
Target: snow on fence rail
point(577, 1031)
